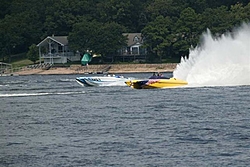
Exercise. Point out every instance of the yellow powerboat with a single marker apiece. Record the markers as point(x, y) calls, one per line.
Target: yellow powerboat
point(160, 82)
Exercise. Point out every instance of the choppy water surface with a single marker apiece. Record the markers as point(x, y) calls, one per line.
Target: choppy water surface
point(53, 121)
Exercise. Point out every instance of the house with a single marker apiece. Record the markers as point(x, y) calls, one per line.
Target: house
point(134, 49)
point(54, 49)
point(134, 44)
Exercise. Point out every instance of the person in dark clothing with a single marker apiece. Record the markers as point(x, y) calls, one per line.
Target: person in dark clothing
point(153, 76)
point(158, 76)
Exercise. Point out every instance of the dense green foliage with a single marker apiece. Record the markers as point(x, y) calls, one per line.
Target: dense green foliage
point(32, 54)
point(99, 38)
point(169, 27)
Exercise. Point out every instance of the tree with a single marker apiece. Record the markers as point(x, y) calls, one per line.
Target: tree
point(19, 31)
point(61, 15)
point(158, 37)
point(32, 54)
point(84, 35)
point(198, 5)
point(97, 37)
point(23, 23)
point(170, 8)
point(239, 13)
point(110, 39)
point(247, 12)
point(187, 31)
point(218, 20)
point(125, 13)
point(10, 36)
point(5, 8)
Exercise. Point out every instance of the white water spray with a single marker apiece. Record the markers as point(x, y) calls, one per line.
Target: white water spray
point(223, 61)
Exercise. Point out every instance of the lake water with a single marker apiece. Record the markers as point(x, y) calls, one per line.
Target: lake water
point(50, 120)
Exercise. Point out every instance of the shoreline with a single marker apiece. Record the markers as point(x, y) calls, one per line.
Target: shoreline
point(100, 69)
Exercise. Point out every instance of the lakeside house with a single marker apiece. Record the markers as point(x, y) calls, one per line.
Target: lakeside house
point(55, 49)
point(134, 44)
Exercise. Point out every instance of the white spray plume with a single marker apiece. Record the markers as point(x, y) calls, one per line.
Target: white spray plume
point(223, 61)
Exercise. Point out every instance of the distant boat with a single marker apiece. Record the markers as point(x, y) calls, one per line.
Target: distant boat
point(102, 80)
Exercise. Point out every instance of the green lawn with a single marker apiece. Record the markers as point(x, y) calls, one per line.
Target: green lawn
point(21, 63)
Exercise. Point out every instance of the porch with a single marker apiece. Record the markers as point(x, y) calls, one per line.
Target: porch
point(54, 49)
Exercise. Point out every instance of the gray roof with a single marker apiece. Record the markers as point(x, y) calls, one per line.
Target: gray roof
point(62, 40)
point(132, 38)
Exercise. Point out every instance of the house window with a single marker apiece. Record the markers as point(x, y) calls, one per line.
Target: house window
point(136, 39)
point(135, 50)
point(60, 48)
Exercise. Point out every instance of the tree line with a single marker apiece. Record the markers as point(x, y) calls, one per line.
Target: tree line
point(169, 27)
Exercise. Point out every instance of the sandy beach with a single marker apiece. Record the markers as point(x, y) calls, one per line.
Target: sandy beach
point(92, 69)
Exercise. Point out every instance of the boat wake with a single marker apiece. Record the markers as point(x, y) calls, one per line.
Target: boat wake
point(223, 61)
point(39, 94)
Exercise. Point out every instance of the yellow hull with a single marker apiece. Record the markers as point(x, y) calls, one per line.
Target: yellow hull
point(156, 83)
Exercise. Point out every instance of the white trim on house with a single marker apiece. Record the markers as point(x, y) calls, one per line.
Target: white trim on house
point(56, 50)
point(134, 44)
